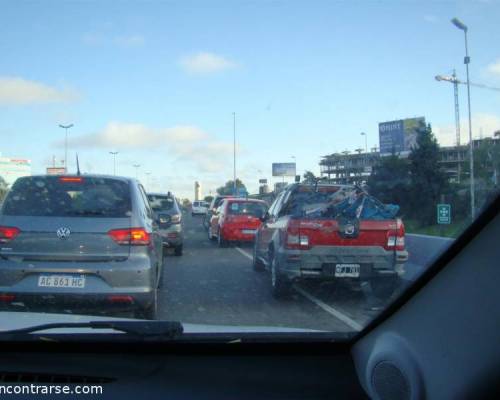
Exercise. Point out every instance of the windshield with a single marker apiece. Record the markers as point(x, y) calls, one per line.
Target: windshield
point(239, 166)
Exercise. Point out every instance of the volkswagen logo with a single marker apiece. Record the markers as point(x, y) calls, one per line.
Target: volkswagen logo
point(63, 233)
point(349, 229)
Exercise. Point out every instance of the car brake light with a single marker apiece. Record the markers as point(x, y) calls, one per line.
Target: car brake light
point(7, 298)
point(7, 233)
point(72, 179)
point(132, 236)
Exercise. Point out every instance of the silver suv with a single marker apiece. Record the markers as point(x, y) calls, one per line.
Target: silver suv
point(85, 241)
point(169, 216)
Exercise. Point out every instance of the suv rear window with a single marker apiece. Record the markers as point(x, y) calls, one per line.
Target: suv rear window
point(161, 203)
point(54, 196)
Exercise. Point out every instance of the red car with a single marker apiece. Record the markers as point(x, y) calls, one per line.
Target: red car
point(237, 220)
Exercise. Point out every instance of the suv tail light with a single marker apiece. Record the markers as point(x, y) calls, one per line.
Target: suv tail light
point(8, 233)
point(131, 236)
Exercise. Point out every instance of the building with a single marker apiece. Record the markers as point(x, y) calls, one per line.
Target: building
point(197, 191)
point(356, 168)
point(13, 168)
point(348, 168)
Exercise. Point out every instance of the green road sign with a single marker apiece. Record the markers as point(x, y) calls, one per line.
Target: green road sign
point(444, 214)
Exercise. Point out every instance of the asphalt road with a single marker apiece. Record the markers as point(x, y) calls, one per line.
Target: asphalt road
point(218, 286)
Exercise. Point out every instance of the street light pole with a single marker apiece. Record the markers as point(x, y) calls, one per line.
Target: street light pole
point(366, 141)
point(234, 153)
point(66, 127)
point(136, 166)
point(460, 25)
point(114, 153)
point(295, 161)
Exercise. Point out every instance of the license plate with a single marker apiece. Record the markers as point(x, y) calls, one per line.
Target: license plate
point(63, 281)
point(249, 231)
point(347, 270)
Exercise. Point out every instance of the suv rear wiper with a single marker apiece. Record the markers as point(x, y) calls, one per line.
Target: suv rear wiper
point(162, 329)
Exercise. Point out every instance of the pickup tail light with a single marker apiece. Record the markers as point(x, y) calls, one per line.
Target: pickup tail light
point(8, 233)
point(296, 241)
point(396, 239)
point(131, 236)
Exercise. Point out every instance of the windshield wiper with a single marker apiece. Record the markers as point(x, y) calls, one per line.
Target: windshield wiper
point(161, 329)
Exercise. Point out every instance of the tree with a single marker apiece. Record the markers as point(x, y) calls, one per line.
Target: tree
point(186, 203)
point(309, 177)
point(4, 188)
point(427, 180)
point(228, 188)
point(390, 181)
point(208, 199)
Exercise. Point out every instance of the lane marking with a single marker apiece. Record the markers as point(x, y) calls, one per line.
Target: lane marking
point(329, 309)
point(244, 253)
point(419, 235)
point(325, 307)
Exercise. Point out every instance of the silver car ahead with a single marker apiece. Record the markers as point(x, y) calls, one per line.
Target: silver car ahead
point(169, 215)
point(85, 241)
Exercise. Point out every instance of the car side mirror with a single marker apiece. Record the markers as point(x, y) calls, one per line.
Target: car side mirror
point(265, 216)
point(163, 220)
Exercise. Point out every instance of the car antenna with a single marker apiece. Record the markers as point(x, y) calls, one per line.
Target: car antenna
point(77, 166)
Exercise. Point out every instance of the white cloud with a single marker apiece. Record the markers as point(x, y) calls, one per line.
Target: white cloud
point(124, 41)
point(494, 68)
point(487, 123)
point(92, 39)
point(205, 63)
point(19, 91)
point(129, 41)
point(184, 144)
point(432, 19)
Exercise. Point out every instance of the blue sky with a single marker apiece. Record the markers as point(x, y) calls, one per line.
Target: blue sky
point(158, 81)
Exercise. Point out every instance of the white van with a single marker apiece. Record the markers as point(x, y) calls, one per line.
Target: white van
point(199, 208)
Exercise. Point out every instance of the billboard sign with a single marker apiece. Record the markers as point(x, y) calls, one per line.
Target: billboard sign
point(56, 171)
point(13, 168)
point(400, 136)
point(263, 181)
point(284, 169)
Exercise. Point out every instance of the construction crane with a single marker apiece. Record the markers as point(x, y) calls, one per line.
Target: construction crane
point(453, 79)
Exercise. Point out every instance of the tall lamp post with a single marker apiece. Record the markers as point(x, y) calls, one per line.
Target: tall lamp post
point(366, 141)
point(234, 153)
point(460, 25)
point(136, 166)
point(66, 127)
point(114, 153)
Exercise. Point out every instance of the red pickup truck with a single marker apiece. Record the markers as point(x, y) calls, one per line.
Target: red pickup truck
point(331, 232)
